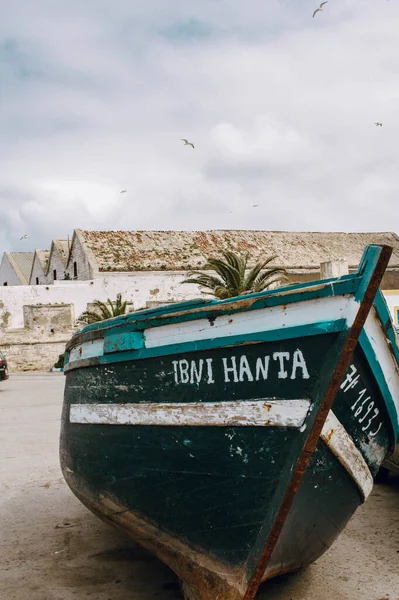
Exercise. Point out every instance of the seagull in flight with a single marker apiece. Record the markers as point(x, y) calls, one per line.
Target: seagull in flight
point(320, 9)
point(123, 191)
point(24, 237)
point(187, 143)
point(378, 124)
point(255, 205)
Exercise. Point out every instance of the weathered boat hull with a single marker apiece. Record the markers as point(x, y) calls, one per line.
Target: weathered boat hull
point(190, 446)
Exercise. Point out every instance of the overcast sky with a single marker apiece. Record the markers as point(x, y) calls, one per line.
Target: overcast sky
point(95, 96)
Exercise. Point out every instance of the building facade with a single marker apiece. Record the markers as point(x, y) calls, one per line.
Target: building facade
point(15, 268)
point(38, 274)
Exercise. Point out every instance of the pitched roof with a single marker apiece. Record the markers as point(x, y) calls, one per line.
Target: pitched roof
point(63, 249)
point(179, 250)
point(23, 262)
point(43, 256)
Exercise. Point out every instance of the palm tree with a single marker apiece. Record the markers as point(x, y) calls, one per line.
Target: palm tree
point(104, 310)
point(234, 277)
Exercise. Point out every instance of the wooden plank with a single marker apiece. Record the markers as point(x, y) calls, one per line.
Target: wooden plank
point(264, 412)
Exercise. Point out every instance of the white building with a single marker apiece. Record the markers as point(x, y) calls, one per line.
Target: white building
point(150, 265)
point(58, 259)
point(15, 268)
point(38, 274)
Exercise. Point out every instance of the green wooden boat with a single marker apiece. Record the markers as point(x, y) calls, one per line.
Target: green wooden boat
point(235, 439)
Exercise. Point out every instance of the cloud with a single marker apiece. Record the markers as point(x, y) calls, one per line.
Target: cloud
point(281, 107)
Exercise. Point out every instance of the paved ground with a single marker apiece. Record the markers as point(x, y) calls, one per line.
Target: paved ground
point(52, 548)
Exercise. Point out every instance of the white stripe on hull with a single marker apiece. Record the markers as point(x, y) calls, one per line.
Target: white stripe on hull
point(274, 318)
point(90, 349)
point(262, 412)
point(386, 359)
point(341, 444)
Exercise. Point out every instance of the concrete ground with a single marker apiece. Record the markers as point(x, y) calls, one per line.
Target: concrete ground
point(53, 548)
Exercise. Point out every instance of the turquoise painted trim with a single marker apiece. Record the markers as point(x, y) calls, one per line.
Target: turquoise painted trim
point(215, 308)
point(378, 373)
point(209, 344)
point(281, 295)
point(386, 320)
point(354, 284)
point(119, 342)
point(366, 268)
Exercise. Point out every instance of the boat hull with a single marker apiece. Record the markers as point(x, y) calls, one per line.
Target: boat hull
point(235, 439)
point(208, 488)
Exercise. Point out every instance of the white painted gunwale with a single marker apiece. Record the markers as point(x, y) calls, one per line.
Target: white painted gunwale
point(266, 412)
point(389, 366)
point(340, 443)
point(304, 313)
point(91, 349)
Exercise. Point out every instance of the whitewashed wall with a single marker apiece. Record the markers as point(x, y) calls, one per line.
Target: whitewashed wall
point(141, 289)
point(37, 271)
point(56, 264)
point(138, 289)
point(392, 299)
point(78, 254)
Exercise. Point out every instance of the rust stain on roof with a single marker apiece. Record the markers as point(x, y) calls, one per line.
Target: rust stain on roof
point(182, 250)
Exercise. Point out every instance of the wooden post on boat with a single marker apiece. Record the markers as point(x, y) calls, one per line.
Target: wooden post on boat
point(334, 268)
point(373, 265)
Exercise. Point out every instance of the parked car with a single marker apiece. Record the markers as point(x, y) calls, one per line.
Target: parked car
point(3, 367)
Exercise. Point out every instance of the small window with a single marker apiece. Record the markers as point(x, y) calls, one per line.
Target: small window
point(37, 281)
point(55, 274)
point(75, 270)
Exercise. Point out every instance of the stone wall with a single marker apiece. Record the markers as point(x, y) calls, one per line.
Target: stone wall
point(33, 356)
point(38, 344)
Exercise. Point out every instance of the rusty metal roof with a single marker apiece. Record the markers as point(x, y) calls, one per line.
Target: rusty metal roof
point(181, 250)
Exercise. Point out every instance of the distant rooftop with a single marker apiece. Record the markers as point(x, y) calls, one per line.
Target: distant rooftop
point(24, 261)
point(43, 256)
point(179, 250)
point(63, 249)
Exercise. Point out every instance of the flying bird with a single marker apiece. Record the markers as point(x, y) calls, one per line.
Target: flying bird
point(378, 124)
point(123, 191)
point(24, 237)
point(320, 9)
point(187, 143)
point(255, 205)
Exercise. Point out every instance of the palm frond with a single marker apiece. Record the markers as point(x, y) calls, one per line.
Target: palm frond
point(230, 275)
point(104, 310)
point(265, 280)
point(204, 280)
point(255, 271)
